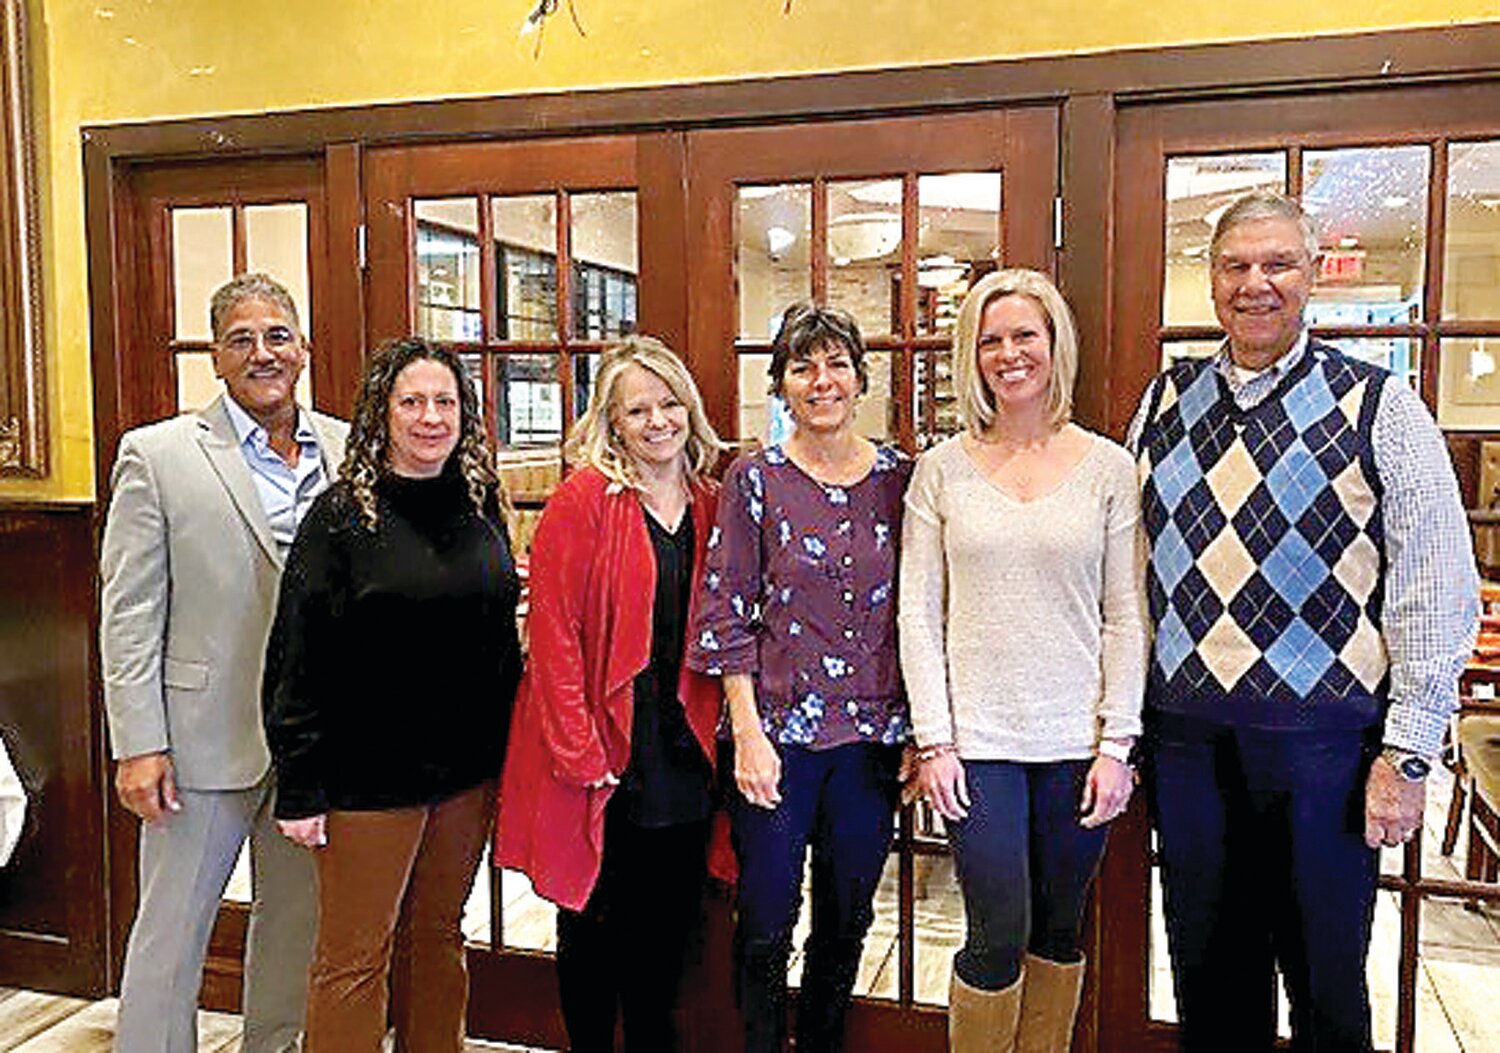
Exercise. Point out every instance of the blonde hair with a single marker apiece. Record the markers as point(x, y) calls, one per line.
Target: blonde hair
point(593, 440)
point(976, 404)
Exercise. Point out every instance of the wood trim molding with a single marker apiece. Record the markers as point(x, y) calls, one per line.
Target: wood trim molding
point(23, 397)
point(1447, 53)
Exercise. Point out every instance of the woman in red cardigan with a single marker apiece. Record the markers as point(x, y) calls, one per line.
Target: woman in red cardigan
point(607, 792)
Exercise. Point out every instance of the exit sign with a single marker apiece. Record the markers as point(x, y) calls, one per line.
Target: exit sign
point(1342, 267)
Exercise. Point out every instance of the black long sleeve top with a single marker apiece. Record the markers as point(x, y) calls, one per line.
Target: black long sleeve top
point(668, 779)
point(394, 657)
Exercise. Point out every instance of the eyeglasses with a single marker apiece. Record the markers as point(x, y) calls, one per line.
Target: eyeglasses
point(275, 337)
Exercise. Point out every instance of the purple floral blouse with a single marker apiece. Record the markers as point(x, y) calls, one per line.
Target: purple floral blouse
point(799, 593)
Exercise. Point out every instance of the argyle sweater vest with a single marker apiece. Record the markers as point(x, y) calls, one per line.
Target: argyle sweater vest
point(1266, 546)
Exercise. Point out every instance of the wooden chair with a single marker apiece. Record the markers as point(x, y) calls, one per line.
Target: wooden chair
point(1475, 759)
point(1479, 759)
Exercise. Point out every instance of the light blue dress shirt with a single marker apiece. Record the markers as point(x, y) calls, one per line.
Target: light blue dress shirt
point(286, 493)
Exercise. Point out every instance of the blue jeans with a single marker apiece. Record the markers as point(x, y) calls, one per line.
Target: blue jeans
point(842, 802)
point(1024, 865)
point(1264, 862)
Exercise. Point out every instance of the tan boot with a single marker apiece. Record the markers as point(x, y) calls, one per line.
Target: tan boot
point(1049, 1002)
point(982, 1021)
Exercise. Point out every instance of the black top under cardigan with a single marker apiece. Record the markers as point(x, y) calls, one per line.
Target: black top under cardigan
point(394, 657)
point(669, 780)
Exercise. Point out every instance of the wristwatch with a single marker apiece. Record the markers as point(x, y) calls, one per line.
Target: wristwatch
point(1413, 767)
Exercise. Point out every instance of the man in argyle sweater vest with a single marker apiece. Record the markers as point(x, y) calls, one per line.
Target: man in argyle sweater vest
point(1313, 595)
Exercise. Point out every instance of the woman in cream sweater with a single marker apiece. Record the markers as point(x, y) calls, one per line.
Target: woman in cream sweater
point(1023, 648)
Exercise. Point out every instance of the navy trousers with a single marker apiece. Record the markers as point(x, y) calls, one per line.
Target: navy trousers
point(1264, 864)
point(841, 802)
point(1024, 865)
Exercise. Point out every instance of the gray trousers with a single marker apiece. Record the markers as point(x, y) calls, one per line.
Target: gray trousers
point(185, 862)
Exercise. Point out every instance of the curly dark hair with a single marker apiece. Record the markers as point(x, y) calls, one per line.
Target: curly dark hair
point(370, 434)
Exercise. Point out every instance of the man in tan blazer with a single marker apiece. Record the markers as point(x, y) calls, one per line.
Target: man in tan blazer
point(203, 509)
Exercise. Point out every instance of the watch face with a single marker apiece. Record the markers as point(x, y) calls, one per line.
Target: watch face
point(1415, 768)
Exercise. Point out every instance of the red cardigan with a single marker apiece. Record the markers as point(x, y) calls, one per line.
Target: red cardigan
point(593, 583)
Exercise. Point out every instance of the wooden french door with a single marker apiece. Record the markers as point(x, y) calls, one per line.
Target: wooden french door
point(526, 258)
point(184, 229)
point(1403, 186)
point(892, 220)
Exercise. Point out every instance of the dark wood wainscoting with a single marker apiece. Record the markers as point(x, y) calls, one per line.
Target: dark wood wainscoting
point(53, 912)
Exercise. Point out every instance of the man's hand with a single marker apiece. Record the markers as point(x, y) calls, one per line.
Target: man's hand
point(311, 832)
point(1393, 805)
point(147, 786)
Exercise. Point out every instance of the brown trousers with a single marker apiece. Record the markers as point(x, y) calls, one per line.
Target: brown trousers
point(391, 893)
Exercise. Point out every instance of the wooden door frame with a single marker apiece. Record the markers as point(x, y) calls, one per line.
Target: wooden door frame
point(1088, 87)
point(1090, 90)
point(1148, 133)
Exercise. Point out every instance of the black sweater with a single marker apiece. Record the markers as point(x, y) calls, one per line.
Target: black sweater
point(394, 657)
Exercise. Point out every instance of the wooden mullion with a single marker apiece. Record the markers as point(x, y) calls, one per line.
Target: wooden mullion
point(903, 366)
point(487, 361)
point(564, 258)
point(817, 252)
point(1432, 282)
point(1294, 171)
point(161, 384)
point(565, 319)
point(906, 910)
point(409, 254)
point(239, 250)
point(489, 323)
point(339, 306)
point(1457, 328)
point(1411, 917)
point(497, 899)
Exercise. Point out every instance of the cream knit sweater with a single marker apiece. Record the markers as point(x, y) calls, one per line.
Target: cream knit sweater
point(1022, 624)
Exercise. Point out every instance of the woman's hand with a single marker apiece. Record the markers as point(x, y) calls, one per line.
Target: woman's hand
point(1106, 791)
point(311, 832)
point(757, 768)
point(944, 784)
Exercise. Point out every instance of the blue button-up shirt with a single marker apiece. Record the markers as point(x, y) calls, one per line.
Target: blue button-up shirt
point(1431, 607)
point(286, 493)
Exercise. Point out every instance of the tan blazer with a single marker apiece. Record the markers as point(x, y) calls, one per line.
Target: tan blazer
point(190, 575)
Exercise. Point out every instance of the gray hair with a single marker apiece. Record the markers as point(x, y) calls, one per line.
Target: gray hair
point(976, 403)
point(253, 286)
point(1264, 204)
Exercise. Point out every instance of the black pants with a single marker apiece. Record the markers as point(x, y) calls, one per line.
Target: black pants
point(1264, 864)
point(624, 951)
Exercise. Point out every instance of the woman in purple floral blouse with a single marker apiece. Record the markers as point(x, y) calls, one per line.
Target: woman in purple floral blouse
point(798, 617)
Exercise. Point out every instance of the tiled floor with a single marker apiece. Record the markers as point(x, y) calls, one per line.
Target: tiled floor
point(1459, 964)
point(41, 1023)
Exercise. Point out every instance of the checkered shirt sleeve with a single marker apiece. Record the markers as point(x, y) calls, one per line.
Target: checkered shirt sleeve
point(1431, 609)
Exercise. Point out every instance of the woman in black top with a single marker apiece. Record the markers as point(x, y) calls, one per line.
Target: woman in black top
point(390, 673)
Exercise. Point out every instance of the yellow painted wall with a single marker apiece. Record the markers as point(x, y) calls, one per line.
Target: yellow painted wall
point(129, 60)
